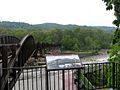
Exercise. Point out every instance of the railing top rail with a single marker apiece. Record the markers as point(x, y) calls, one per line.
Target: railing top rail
point(30, 67)
point(96, 63)
point(81, 67)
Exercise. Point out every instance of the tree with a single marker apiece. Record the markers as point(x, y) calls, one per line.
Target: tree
point(115, 4)
point(115, 51)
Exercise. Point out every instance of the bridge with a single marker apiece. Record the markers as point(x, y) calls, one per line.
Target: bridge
point(15, 53)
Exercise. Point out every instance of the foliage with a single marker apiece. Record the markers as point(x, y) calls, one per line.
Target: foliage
point(114, 4)
point(74, 40)
point(115, 51)
point(97, 78)
point(47, 26)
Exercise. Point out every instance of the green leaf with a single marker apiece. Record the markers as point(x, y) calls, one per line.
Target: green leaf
point(116, 22)
point(110, 7)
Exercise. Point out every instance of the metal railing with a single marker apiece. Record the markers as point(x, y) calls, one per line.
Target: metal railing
point(88, 77)
point(31, 78)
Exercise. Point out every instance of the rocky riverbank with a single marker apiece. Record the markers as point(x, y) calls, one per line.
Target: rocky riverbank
point(95, 58)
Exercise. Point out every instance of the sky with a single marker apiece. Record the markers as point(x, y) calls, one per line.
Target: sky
point(79, 12)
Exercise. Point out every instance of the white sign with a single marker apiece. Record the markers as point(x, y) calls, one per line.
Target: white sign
point(62, 61)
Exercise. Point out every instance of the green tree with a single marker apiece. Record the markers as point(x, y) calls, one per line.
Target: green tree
point(115, 51)
point(76, 47)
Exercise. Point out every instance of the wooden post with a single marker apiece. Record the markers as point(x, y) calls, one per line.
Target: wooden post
point(4, 65)
point(4, 59)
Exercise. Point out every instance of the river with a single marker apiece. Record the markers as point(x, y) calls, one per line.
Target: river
point(95, 59)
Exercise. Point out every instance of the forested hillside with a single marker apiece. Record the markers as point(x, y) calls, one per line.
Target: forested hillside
point(48, 26)
point(77, 39)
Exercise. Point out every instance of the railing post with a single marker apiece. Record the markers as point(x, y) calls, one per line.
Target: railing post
point(47, 82)
point(2, 41)
point(113, 74)
point(63, 79)
point(78, 78)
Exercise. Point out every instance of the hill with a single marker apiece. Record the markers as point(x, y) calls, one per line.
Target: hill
point(14, 25)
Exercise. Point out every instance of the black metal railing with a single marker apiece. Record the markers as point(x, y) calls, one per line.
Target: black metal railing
point(88, 77)
point(31, 78)
point(96, 75)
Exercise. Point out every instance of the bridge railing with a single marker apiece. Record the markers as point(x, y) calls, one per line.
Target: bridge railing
point(31, 78)
point(88, 77)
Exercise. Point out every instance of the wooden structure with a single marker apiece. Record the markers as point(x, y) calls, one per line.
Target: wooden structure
point(15, 53)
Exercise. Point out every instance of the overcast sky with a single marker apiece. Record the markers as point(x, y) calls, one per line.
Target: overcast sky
point(80, 12)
